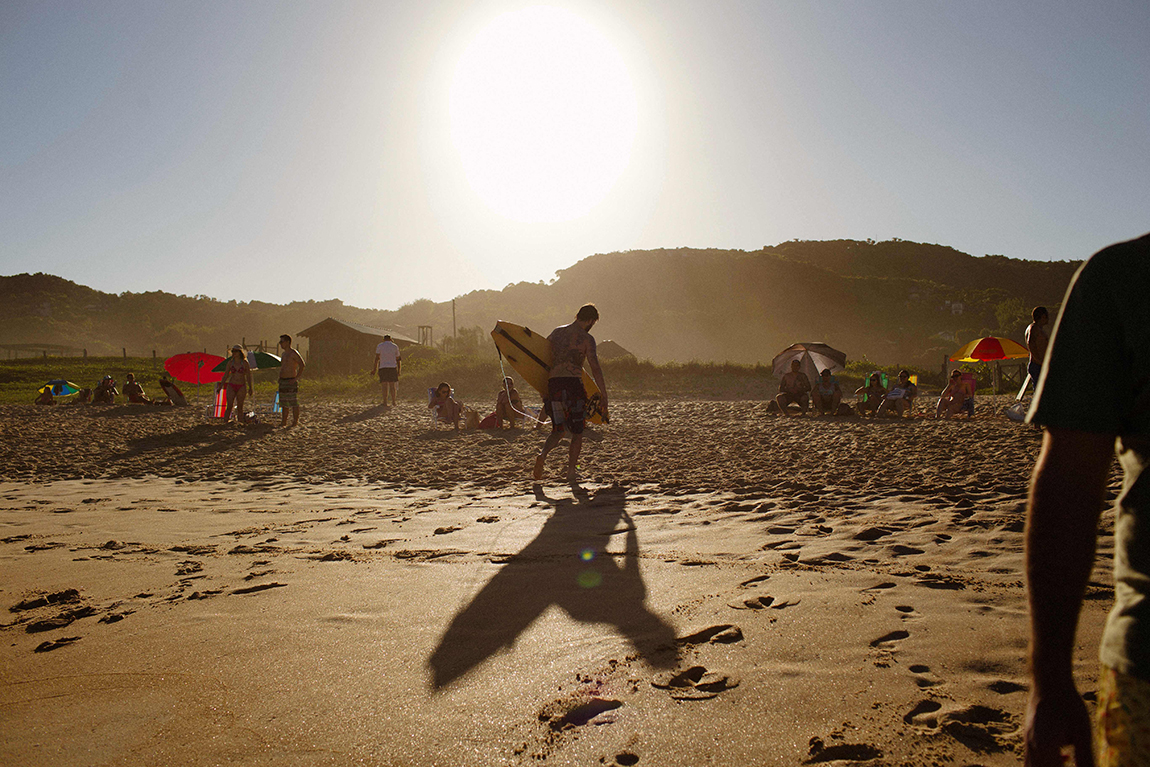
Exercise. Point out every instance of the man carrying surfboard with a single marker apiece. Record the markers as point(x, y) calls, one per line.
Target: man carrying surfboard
point(571, 345)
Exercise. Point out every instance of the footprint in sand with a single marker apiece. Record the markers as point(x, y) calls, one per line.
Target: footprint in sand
point(820, 753)
point(722, 633)
point(923, 676)
point(887, 641)
point(694, 683)
point(56, 644)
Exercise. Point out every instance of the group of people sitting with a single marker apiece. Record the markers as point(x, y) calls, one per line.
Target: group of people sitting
point(508, 407)
point(105, 393)
point(874, 399)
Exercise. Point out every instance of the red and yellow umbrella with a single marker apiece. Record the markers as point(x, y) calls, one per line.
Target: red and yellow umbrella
point(988, 349)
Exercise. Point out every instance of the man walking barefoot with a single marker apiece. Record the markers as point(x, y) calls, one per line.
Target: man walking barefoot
point(291, 368)
point(387, 362)
point(566, 397)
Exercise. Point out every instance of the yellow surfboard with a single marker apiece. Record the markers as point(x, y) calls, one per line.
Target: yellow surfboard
point(530, 354)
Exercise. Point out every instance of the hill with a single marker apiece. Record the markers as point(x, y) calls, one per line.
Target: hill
point(890, 302)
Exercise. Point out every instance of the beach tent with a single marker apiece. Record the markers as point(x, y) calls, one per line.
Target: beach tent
point(814, 358)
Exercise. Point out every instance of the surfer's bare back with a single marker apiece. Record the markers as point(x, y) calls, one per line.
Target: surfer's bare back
point(571, 345)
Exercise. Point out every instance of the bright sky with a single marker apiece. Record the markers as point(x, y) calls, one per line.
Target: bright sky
point(379, 152)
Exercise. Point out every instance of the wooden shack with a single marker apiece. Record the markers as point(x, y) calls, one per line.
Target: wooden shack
point(336, 347)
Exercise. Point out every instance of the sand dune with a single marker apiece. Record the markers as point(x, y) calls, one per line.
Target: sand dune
point(725, 588)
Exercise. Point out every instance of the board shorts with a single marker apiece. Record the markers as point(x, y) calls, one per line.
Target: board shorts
point(289, 392)
point(567, 401)
point(1035, 370)
point(1123, 719)
point(388, 375)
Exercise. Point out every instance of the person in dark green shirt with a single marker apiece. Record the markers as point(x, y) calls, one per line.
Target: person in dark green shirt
point(1093, 398)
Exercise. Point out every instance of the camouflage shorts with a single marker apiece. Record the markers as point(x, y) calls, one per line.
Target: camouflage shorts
point(1123, 720)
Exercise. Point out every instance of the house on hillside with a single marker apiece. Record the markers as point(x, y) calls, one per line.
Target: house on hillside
point(336, 347)
point(609, 350)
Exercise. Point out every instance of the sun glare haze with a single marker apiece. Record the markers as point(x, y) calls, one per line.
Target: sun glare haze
point(543, 115)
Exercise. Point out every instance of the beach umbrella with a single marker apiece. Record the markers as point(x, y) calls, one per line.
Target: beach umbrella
point(194, 367)
point(815, 357)
point(256, 361)
point(60, 387)
point(990, 348)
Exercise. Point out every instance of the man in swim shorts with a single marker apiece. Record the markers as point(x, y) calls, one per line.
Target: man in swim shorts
point(1105, 316)
point(1036, 342)
point(387, 362)
point(794, 387)
point(291, 368)
point(566, 397)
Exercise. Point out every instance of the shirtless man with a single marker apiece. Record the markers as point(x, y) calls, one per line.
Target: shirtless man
point(1036, 341)
point(291, 368)
point(566, 397)
point(794, 387)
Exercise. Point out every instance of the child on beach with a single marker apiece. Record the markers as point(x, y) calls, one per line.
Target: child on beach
point(508, 405)
point(445, 407)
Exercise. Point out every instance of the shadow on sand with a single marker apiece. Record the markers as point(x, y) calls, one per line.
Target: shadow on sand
point(567, 565)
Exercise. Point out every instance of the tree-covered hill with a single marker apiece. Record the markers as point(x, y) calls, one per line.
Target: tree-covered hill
point(890, 302)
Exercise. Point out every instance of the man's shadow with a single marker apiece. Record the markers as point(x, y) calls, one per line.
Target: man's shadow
point(567, 565)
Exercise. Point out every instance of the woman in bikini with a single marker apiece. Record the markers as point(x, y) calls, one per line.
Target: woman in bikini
point(237, 374)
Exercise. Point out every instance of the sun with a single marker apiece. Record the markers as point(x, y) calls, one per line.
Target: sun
point(543, 114)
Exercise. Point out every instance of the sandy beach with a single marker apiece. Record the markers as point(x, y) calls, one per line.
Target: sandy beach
point(724, 588)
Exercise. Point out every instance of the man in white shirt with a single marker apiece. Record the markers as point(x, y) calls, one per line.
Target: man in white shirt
point(387, 361)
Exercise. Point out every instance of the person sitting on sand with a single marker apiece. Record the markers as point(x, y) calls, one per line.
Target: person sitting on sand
point(826, 395)
point(447, 409)
point(794, 387)
point(901, 397)
point(870, 395)
point(134, 392)
point(508, 404)
point(106, 391)
point(45, 397)
point(955, 397)
point(237, 374)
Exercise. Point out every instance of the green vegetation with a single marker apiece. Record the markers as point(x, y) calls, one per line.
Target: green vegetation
point(889, 302)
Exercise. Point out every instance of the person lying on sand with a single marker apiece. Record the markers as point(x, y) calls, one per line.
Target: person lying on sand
point(900, 399)
point(794, 387)
point(870, 395)
point(447, 409)
point(826, 395)
point(134, 392)
point(954, 398)
point(508, 404)
point(45, 397)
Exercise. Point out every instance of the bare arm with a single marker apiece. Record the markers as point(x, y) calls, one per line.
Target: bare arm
point(1066, 492)
point(374, 365)
point(301, 363)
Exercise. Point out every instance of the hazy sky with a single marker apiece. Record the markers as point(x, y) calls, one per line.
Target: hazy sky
point(380, 152)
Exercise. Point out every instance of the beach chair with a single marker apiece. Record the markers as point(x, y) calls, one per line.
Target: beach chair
point(866, 398)
point(272, 408)
point(219, 406)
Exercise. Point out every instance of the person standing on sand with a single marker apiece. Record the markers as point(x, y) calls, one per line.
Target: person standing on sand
point(566, 397)
point(1105, 316)
point(237, 375)
point(291, 368)
point(1036, 342)
point(387, 361)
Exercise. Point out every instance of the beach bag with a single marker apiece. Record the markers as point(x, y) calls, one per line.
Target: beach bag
point(490, 422)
